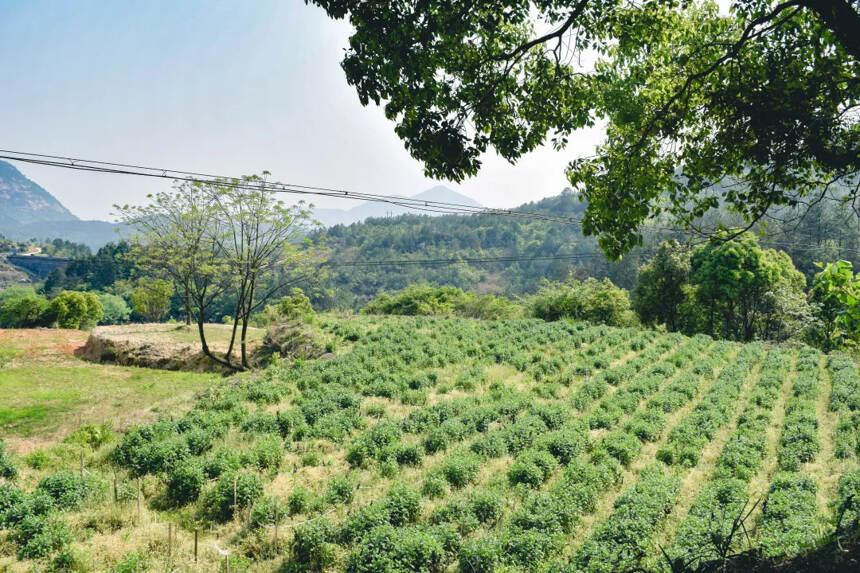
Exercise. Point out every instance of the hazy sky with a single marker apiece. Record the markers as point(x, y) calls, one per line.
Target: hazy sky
point(222, 87)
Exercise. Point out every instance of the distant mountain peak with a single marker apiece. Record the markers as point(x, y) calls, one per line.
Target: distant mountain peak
point(439, 193)
point(24, 201)
point(444, 194)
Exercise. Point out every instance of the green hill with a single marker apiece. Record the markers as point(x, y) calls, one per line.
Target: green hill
point(430, 444)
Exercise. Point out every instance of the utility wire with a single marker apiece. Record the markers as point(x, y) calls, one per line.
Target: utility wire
point(444, 207)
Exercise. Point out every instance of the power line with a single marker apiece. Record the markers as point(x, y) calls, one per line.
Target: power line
point(443, 207)
point(451, 261)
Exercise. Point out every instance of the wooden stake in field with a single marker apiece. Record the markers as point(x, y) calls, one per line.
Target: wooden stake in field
point(235, 505)
point(115, 488)
point(195, 545)
point(138, 499)
point(82, 463)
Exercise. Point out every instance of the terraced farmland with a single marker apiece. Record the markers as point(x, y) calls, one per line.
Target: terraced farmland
point(439, 445)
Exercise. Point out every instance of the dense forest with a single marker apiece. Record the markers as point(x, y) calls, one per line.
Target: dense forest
point(826, 232)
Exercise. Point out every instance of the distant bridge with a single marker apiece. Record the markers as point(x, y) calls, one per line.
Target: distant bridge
point(39, 266)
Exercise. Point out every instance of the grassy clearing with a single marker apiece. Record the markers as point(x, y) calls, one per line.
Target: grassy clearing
point(47, 392)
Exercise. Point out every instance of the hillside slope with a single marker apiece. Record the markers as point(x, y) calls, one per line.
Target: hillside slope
point(492, 445)
point(23, 201)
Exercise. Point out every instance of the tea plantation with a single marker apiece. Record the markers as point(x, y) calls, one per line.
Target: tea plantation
point(431, 444)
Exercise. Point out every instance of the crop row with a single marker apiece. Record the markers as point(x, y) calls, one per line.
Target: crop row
point(623, 540)
point(535, 532)
point(845, 399)
point(798, 443)
point(789, 519)
point(689, 438)
point(845, 392)
point(598, 385)
point(709, 529)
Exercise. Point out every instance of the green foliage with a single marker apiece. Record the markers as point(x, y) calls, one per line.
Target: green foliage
point(681, 119)
point(847, 502)
point(408, 549)
point(733, 278)
point(38, 537)
point(789, 515)
point(67, 489)
point(267, 511)
point(91, 435)
point(185, 482)
point(429, 300)
point(312, 546)
point(220, 501)
point(22, 308)
point(836, 291)
point(116, 310)
point(599, 302)
point(296, 306)
point(532, 467)
point(151, 298)
point(8, 468)
point(622, 541)
point(77, 310)
point(662, 292)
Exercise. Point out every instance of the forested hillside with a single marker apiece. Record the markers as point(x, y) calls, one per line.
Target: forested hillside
point(541, 249)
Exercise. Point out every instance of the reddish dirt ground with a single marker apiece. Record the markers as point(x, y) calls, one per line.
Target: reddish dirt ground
point(44, 343)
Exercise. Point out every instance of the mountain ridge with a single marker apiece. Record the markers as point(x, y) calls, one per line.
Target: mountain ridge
point(330, 217)
point(24, 201)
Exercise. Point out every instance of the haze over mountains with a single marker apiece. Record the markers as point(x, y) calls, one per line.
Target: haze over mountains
point(440, 193)
point(29, 211)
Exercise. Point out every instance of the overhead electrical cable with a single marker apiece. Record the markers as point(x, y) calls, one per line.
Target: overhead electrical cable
point(442, 207)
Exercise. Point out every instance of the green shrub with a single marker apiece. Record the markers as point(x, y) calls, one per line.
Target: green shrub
point(341, 490)
point(385, 549)
point(479, 556)
point(220, 501)
point(487, 506)
point(91, 435)
point(408, 455)
point(402, 504)
point(597, 301)
point(621, 446)
point(299, 501)
point(8, 469)
point(312, 545)
point(221, 461)
point(267, 453)
point(461, 468)
point(67, 489)
point(532, 467)
point(185, 482)
point(76, 310)
point(267, 511)
point(115, 309)
point(433, 485)
point(24, 310)
point(565, 444)
point(38, 537)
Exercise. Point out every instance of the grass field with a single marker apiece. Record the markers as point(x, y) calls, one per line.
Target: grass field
point(47, 392)
point(441, 445)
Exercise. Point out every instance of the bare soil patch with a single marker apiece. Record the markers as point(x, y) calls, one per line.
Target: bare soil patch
point(162, 346)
